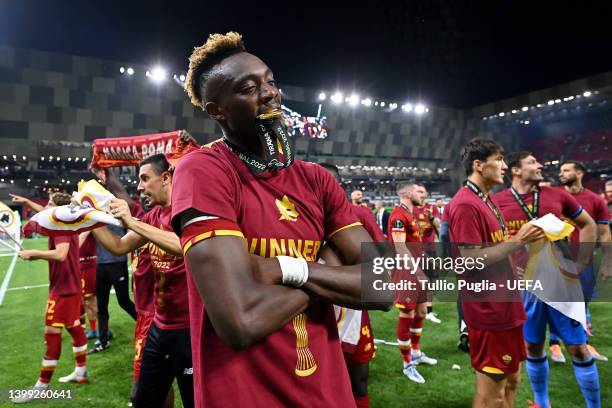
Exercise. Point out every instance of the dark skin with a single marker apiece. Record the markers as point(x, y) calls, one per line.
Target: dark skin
point(243, 295)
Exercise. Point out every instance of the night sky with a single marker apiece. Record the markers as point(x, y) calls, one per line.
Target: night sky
point(450, 53)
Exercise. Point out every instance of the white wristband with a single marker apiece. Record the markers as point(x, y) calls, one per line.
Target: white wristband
point(294, 270)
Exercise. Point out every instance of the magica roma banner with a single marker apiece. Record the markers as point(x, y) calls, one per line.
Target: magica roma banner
point(130, 151)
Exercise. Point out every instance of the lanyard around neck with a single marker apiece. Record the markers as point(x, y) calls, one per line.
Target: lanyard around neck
point(536, 203)
point(476, 190)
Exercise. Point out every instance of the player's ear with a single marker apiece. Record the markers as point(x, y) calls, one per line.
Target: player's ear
point(477, 166)
point(215, 111)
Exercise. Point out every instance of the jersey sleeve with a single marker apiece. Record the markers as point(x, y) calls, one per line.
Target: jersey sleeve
point(204, 184)
point(369, 223)
point(61, 239)
point(570, 206)
point(601, 212)
point(465, 224)
point(336, 207)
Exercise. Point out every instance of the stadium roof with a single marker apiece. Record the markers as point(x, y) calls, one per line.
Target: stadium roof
point(453, 53)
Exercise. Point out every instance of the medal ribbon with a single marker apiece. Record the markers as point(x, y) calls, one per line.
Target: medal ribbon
point(476, 190)
point(536, 203)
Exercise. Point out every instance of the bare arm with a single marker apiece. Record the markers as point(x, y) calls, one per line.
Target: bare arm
point(166, 240)
point(82, 237)
point(118, 245)
point(27, 202)
point(242, 310)
point(588, 237)
point(58, 254)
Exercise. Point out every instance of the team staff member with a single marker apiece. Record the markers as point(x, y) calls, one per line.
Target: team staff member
point(244, 308)
point(476, 225)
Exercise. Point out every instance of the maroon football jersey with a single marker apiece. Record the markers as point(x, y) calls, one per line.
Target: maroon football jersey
point(594, 205)
point(424, 216)
point(472, 221)
point(144, 281)
point(366, 217)
point(551, 200)
point(289, 212)
point(401, 221)
point(65, 277)
point(88, 253)
point(171, 303)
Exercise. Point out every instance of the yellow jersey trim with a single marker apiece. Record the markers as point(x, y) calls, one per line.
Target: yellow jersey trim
point(355, 224)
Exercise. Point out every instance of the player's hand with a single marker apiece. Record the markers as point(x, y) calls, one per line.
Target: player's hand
point(528, 233)
point(26, 255)
point(18, 199)
point(121, 210)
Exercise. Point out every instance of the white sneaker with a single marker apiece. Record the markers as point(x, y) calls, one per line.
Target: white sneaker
point(596, 355)
point(74, 377)
point(432, 317)
point(29, 396)
point(423, 359)
point(411, 372)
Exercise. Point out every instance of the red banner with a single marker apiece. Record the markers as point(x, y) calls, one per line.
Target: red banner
point(130, 151)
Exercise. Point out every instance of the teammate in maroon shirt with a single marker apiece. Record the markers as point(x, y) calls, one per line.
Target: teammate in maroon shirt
point(571, 174)
point(63, 306)
point(404, 229)
point(519, 204)
point(87, 259)
point(264, 332)
point(167, 351)
point(476, 224)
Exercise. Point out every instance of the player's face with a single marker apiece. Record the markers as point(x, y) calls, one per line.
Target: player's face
point(378, 205)
point(150, 184)
point(357, 197)
point(247, 89)
point(609, 193)
point(568, 174)
point(419, 195)
point(531, 170)
point(494, 168)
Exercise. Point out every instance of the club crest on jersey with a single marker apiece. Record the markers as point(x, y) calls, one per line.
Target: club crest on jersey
point(506, 359)
point(398, 224)
point(287, 209)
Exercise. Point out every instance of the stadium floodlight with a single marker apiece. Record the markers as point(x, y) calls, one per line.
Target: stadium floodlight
point(50, 157)
point(46, 181)
point(353, 100)
point(382, 104)
point(426, 110)
point(158, 74)
point(28, 180)
point(23, 158)
point(376, 103)
point(557, 100)
point(182, 78)
point(68, 182)
point(407, 107)
point(57, 158)
point(393, 105)
point(122, 70)
point(539, 105)
point(174, 77)
point(336, 98)
point(586, 94)
point(322, 96)
point(4, 157)
point(130, 71)
point(551, 102)
point(526, 122)
point(419, 109)
point(514, 111)
point(569, 98)
point(524, 108)
point(367, 102)
point(70, 159)
point(501, 115)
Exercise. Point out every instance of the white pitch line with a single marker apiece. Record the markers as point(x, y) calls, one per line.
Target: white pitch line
point(389, 343)
point(7, 278)
point(29, 287)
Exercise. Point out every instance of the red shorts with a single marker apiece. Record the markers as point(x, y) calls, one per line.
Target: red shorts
point(364, 350)
point(408, 299)
point(143, 324)
point(88, 281)
point(497, 352)
point(63, 311)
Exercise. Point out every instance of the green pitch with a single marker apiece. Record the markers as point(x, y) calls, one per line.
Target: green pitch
point(110, 372)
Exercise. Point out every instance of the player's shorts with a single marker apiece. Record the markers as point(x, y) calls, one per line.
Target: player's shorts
point(88, 281)
point(143, 324)
point(406, 300)
point(497, 352)
point(364, 350)
point(539, 315)
point(63, 311)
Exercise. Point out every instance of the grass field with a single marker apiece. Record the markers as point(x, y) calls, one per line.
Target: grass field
point(22, 347)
